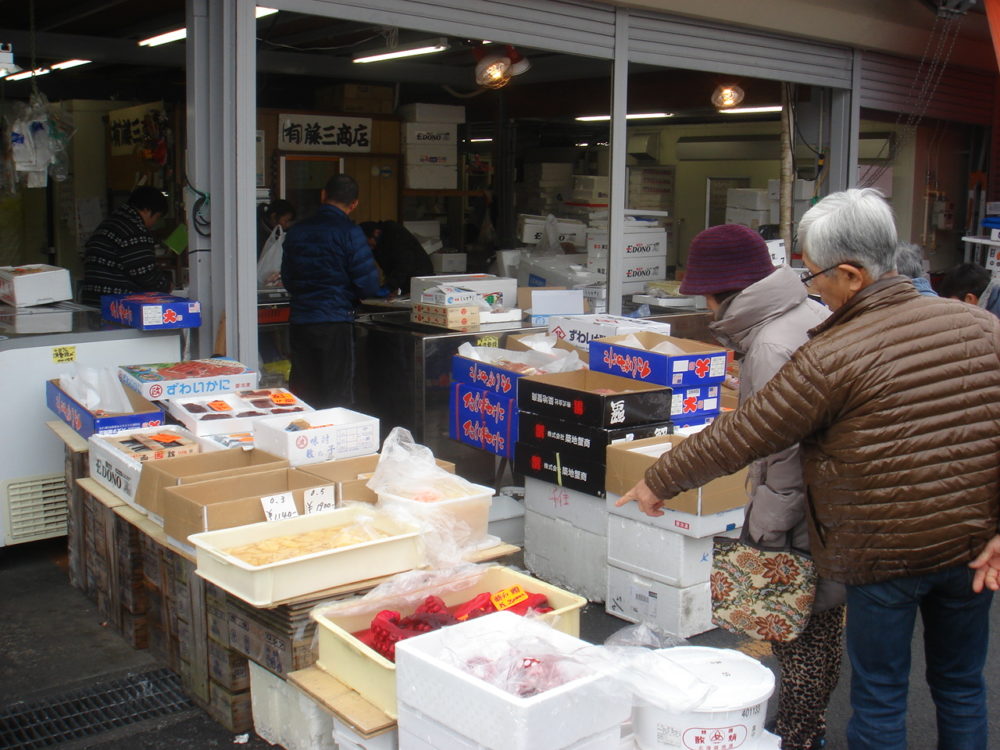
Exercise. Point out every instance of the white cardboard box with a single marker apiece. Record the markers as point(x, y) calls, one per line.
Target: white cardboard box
point(754, 199)
point(421, 112)
point(430, 133)
point(431, 177)
point(571, 558)
point(34, 284)
point(117, 471)
point(507, 520)
point(579, 330)
point(344, 434)
point(587, 512)
point(640, 241)
point(802, 190)
point(681, 611)
point(166, 380)
point(429, 681)
point(688, 524)
point(634, 270)
point(531, 228)
point(449, 262)
point(747, 217)
point(494, 289)
point(416, 154)
point(659, 554)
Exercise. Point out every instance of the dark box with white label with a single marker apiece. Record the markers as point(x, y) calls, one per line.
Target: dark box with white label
point(594, 398)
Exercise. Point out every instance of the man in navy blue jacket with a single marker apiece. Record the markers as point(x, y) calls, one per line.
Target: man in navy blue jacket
point(327, 266)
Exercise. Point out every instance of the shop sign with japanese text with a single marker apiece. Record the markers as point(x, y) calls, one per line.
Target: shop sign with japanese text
point(324, 133)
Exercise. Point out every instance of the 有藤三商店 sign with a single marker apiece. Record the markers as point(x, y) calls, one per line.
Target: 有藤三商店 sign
point(324, 133)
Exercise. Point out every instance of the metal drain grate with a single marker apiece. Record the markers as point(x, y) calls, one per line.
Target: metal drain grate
point(90, 711)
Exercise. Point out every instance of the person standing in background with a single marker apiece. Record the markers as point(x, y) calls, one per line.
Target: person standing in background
point(398, 253)
point(119, 257)
point(277, 213)
point(910, 263)
point(327, 266)
point(974, 284)
point(764, 314)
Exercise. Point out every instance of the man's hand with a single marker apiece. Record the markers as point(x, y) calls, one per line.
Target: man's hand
point(987, 567)
point(649, 503)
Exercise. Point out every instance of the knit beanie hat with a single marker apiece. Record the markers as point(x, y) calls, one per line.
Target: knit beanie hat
point(725, 258)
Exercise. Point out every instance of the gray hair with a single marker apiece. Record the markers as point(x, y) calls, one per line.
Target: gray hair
point(853, 226)
point(910, 260)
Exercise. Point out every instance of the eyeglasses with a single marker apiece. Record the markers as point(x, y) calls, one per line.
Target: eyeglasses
point(808, 280)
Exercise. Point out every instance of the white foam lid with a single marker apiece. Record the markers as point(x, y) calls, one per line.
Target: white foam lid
point(739, 680)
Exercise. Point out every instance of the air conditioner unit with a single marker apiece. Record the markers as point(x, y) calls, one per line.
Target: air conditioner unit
point(644, 148)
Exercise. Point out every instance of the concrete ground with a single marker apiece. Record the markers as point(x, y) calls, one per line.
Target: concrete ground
point(52, 642)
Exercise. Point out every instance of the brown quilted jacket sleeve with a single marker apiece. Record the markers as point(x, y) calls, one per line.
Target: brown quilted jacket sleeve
point(795, 403)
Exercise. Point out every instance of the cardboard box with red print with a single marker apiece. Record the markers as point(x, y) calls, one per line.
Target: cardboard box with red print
point(699, 365)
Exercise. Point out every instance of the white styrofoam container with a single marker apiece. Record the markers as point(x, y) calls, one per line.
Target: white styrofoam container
point(418, 732)
point(748, 217)
point(683, 611)
point(431, 177)
point(495, 289)
point(284, 715)
point(42, 285)
point(659, 554)
point(423, 112)
point(469, 516)
point(580, 330)
point(507, 520)
point(371, 674)
point(343, 434)
point(424, 155)
point(346, 737)
point(449, 262)
point(263, 585)
point(571, 558)
point(633, 271)
point(689, 524)
point(802, 190)
point(430, 133)
point(579, 509)
point(237, 405)
point(640, 242)
point(531, 228)
point(753, 199)
point(117, 471)
point(490, 716)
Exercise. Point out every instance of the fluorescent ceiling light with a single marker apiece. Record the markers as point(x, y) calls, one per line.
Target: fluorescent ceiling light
point(424, 47)
point(480, 140)
point(582, 145)
point(178, 34)
point(634, 116)
point(28, 74)
point(68, 64)
point(164, 38)
point(750, 110)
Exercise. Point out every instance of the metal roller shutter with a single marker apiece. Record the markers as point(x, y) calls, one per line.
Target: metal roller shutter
point(962, 95)
point(572, 26)
point(675, 43)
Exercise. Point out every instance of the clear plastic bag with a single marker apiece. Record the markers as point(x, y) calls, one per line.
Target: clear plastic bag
point(532, 362)
point(407, 469)
point(549, 243)
point(97, 388)
point(645, 635)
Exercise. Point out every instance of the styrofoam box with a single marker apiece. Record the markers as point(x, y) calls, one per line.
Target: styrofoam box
point(507, 520)
point(472, 512)
point(118, 471)
point(683, 611)
point(43, 285)
point(419, 732)
point(632, 271)
point(237, 404)
point(430, 133)
point(344, 434)
point(417, 154)
point(659, 554)
point(580, 330)
point(490, 716)
point(802, 190)
point(347, 738)
point(747, 217)
point(495, 289)
point(284, 715)
point(371, 674)
point(449, 262)
point(262, 585)
point(431, 177)
point(587, 512)
point(688, 524)
point(531, 229)
point(754, 199)
point(640, 242)
point(566, 556)
point(420, 112)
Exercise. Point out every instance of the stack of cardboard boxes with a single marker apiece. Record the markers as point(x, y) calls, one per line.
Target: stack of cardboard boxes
point(430, 145)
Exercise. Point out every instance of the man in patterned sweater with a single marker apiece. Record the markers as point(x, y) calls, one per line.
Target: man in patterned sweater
point(119, 257)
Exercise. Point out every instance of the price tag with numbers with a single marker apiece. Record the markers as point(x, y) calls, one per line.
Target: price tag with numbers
point(283, 399)
point(279, 507)
point(63, 354)
point(219, 405)
point(319, 499)
point(508, 597)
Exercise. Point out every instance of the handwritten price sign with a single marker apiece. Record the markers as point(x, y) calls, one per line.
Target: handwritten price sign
point(319, 499)
point(279, 507)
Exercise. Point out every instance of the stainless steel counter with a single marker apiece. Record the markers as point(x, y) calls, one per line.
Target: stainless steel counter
point(403, 373)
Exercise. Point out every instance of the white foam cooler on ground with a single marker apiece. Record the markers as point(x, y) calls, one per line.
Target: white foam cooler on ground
point(683, 611)
point(566, 556)
point(284, 715)
point(429, 682)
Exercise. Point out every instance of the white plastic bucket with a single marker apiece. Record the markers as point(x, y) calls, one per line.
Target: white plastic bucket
point(730, 718)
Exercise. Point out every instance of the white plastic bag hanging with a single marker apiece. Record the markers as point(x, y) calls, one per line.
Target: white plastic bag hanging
point(549, 243)
point(269, 264)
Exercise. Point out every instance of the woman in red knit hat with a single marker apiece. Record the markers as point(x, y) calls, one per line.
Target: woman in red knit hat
point(763, 313)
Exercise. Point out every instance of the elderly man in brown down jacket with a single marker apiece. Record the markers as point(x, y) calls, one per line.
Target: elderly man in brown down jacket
point(895, 401)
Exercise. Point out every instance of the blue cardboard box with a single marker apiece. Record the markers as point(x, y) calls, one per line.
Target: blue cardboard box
point(482, 375)
point(687, 403)
point(86, 422)
point(151, 311)
point(483, 419)
point(701, 364)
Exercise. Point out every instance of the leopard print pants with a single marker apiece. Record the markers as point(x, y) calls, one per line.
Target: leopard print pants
point(810, 668)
